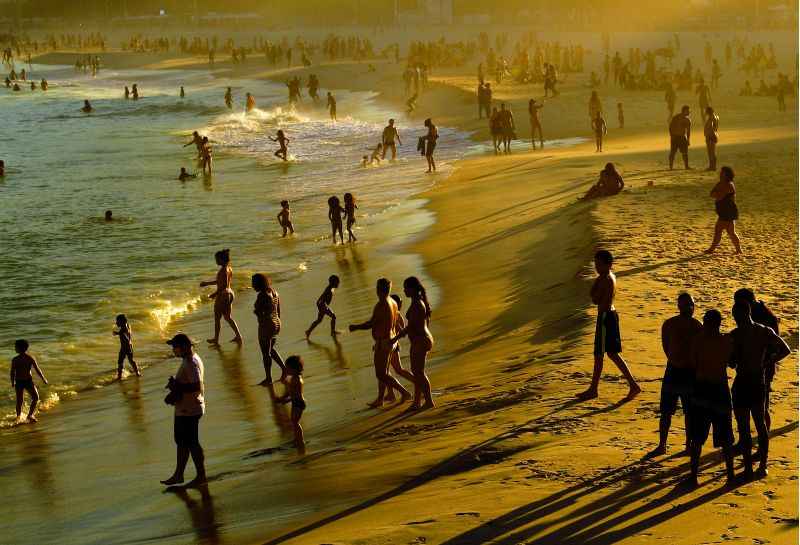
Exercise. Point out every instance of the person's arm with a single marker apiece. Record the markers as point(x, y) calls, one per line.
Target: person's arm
point(41, 375)
point(208, 283)
point(13, 373)
point(364, 325)
point(778, 348)
point(397, 134)
point(664, 336)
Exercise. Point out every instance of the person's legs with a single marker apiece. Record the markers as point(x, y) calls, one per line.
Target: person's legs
point(623, 367)
point(745, 440)
point(315, 323)
point(718, 228)
point(34, 393)
point(597, 371)
point(418, 357)
point(672, 151)
point(217, 319)
point(668, 405)
point(730, 228)
point(133, 363)
point(332, 316)
point(685, 153)
point(299, 438)
point(763, 438)
point(20, 392)
point(273, 352)
point(231, 322)
point(120, 363)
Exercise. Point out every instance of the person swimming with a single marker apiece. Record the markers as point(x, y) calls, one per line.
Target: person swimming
point(109, 215)
point(184, 175)
point(87, 108)
point(135, 92)
point(127, 93)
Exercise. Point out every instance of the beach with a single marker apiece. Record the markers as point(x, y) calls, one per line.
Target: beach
point(508, 455)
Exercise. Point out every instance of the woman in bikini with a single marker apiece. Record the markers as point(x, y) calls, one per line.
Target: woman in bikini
point(267, 309)
point(724, 195)
point(223, 297)
point(350, 207)
point(418, 318)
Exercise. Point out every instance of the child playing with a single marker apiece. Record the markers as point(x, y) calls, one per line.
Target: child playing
point(323, 306)
point(285, 218)
point(294, 394)
point(376, 154)
point(607, 337)
point(283, 142)
point(22, 379)
point(335, 213)
point(600, 129)
point(184, 175)
point(394, 359)
point(350, 207)
point(125, 345)
point(620, 115)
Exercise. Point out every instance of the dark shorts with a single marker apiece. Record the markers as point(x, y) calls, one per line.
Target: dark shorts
point(748, 393)
point(186, 434)
point(677, 384)
point(298, 405)
point(607, 338)
point(124, 353)
point(711, 406)
point(430, 146)
point(679, 143)
point(24, 384)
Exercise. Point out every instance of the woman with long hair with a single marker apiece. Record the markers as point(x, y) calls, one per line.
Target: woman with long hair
point(223, 296)
point(418, 319)
point(267, 309)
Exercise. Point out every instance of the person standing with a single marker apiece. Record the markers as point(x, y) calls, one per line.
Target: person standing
point(419, 317)
point(710, 129)
point(186, 393)
point(332, 106)
point(607, 339)
point(724, 195)
point(680, 131)
point(22, 378)
point(223, 296)
point(755, 347)
point(267, 309)
point(506, 120)
point(536, 125)
point(677, 334)
point(429, 145)
point(389, 136)
point(600, 130)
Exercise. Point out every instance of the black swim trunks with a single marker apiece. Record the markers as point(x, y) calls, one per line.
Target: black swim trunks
point(23, 384)
point(677, 384)
point(748, 392)
point(186, 431)
point(607, 337)
point(679, 143)
point(711, 406)
point(298, 404)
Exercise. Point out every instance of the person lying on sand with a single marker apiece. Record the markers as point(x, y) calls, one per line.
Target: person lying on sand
point(607, 340)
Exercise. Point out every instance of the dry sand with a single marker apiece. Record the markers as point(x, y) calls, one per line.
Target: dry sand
point(509, 456)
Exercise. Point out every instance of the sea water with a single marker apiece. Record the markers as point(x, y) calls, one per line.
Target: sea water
point(67, 273)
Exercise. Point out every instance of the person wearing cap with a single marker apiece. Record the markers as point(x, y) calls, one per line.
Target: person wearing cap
point(680, 130)
point(186, 394)
point(390, 134)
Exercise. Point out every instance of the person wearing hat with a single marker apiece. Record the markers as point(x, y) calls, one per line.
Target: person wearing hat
point(186, 394)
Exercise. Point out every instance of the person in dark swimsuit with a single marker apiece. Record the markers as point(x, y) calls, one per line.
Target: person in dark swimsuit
point(724, 195)
point(22, 378)
point(430, 144)
point(267, 309)
point(294, 395)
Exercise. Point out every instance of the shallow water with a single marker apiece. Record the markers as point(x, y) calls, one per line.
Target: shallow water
point(67, 273)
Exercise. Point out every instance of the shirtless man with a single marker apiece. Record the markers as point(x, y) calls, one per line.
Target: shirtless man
point(607, 335)
point(390, 134)
point(680, 130)
point(710, 129)
point(710, 399)
point(755, 348)
point(197, 140)
point(332, 106)
point(22, 379)
point(506, 120)
point(536, 125)
point(382, 324)
point(677, 335)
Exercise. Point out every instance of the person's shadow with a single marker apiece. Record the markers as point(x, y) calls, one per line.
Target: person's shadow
point(201, 512)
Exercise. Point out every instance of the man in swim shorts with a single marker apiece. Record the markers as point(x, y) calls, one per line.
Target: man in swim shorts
point(390, 134)
point(680, 129)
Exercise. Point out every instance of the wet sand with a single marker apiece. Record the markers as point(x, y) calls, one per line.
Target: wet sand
point(508, 456)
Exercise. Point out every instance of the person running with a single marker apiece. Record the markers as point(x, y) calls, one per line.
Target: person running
point(229, 98)
point(756, 348)
point(283, 151)
point(430, 143)
point(350, 208)
point(680, 131)
point(267, 309)
point(600, 130)
point(324, 307)
point(390, 134)
point(761, 314)
point(22, 378)
point(223, 297)
point(294, 395)
point(724, 195)
point(332, 106)
point(533, 115)
point(607, 337)
point(187, 395)
point(382, 324)
point(710, 401)
point(125, 345)
point(418, 319)
point(710, 129)
point(335, 213)
point(677, 334)
point(285, 218)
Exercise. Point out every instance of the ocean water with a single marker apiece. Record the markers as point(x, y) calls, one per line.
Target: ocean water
point(67, 272)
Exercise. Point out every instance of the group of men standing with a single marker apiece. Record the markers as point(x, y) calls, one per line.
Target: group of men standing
point(698, 356)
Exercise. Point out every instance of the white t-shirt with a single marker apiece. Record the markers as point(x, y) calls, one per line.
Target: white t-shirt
point(191, 403)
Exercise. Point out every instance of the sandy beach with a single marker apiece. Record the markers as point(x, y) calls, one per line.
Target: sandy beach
point(509, 455)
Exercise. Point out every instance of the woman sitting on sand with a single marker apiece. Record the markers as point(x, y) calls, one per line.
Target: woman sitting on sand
point(724, 195)
point(610, 183)
point(267, 309)
point(418, 318)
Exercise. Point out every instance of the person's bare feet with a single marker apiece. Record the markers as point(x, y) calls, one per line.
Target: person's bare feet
point(375, 404)
point(709, 251)
point(390, 398)
point(213, 342)
point(266, 382)
point(32, 419)
point(237, 340)
point(308, 334)
point(172, 480)
point(587, 395)
point(197, 481)
point(428, 405)
point(633, 392)
point(660, 450)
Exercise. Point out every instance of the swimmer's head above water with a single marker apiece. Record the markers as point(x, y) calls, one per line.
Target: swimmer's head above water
point(109, 215)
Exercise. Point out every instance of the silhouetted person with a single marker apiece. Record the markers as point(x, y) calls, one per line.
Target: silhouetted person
point(680, 131)
point(710, 129)
point(724, 195)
